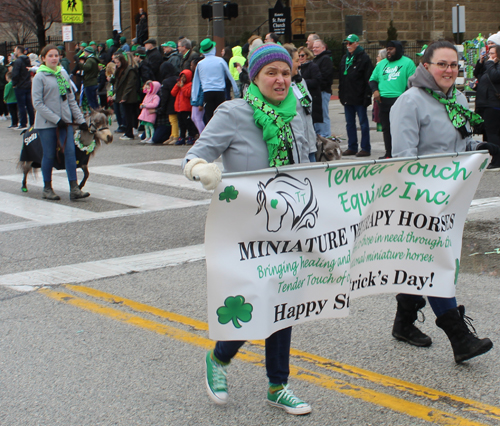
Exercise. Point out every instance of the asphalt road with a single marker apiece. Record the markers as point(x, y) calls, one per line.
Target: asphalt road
point(103, 313)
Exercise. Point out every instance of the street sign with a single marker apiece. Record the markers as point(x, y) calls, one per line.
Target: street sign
point(67, 33)
point(280, 21)
point(72, 11)
point(458, 16)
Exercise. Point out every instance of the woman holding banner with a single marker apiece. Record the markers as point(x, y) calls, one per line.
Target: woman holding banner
point(260, 131)
point(433, 117)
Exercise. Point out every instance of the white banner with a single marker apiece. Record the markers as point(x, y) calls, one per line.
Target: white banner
point(117, 18)
point(294, 246)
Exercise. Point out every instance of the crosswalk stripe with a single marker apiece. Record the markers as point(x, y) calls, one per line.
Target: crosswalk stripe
point(88, 271)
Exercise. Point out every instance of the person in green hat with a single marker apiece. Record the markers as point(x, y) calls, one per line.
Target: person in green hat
point(123, 44)
point(172, 55)
point(210, 77)
point(355, 95)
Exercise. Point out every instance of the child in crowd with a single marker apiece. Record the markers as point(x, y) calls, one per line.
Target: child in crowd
point(168, 76)
point(9, 97)
point(182, 93)
point(102, 86)
point(148, 108)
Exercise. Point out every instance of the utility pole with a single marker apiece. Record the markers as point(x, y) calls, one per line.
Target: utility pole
point(218, 18)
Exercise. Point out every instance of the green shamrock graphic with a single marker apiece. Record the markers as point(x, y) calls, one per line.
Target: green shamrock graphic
point(229, 194)
point(457, 268)
point(482, 166)
point(235, 309)
point(274, 203)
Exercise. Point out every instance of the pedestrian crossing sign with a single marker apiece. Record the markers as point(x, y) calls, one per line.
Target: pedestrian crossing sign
point(72, 11)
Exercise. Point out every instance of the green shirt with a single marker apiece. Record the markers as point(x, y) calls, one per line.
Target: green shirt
point(392, 77)
point(9, 96)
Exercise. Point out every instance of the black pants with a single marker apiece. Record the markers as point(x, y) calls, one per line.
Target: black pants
point(13, 113)
point(384, 112)
point(186, 124)
point(491, 118)
point(129, 118)
point(211, 101)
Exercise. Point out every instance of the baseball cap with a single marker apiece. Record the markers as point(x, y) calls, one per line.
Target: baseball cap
point(353, 38)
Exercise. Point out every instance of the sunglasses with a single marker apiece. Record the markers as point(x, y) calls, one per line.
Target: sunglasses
point(302, 55)
point(349, 43)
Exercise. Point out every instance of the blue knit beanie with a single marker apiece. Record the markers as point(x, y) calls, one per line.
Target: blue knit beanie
point(265, 54)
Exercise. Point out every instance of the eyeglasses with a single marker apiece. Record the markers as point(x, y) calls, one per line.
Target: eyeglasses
point(443, 66)
point(302, 55)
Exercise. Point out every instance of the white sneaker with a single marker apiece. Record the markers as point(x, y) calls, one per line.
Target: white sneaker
point(125, 138)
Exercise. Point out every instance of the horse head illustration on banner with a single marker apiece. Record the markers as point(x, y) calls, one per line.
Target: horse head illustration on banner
point(284, 194)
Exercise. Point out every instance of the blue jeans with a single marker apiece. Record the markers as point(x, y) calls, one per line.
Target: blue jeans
point(24, 104)
point(48, 137)
point(352, 134)
point(91, 94)
point(440, 305)
point(277, 354)
point(324, 128)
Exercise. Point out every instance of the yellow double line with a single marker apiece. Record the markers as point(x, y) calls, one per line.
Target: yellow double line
point(379, 398)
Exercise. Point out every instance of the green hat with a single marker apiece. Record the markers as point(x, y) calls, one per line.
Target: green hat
point(206, 45)
point(170, 44)
point(83, 44)
point(92, 43)
point(123, 39)
point(423, 50)
point(352, 38)
point(89, 50)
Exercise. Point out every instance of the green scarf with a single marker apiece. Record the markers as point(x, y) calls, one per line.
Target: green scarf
point(63, 84)
point(274, 121)
point(305, 100)
point(458, 114)
point(350, 58)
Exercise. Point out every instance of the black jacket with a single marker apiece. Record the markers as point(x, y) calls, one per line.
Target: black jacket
point(169, 80)
point(325, 65)
point(154, 59)
point(186, 60)
point(21, 77)
point(312, 76)
point(354, 87)
point(488, 86)
point(146, 73)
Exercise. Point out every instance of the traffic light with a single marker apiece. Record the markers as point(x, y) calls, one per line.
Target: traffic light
point(230, 10)
point(206, 11)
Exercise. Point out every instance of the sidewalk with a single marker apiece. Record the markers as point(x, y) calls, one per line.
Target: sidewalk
point(337, 119)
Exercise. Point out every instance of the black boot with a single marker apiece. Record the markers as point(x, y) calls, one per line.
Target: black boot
point(406, 315)
point(48, 193)
point(464, 342)
point(75, 192)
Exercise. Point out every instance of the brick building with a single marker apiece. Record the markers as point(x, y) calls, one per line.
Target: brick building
point(414, 19)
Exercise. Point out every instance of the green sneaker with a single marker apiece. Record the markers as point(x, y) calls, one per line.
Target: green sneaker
point(285, 399)
point(216, 380)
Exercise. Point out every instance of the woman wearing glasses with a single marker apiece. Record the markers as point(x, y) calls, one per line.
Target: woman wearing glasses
point(309, 71)
point(433, 117)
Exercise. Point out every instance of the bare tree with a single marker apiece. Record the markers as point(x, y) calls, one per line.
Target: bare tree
point(15, 31)
point(36, 16)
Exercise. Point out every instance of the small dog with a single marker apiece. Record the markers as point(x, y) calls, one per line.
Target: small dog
point(328, 149)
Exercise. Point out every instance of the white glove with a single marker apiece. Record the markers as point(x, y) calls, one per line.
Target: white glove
point(208, 173)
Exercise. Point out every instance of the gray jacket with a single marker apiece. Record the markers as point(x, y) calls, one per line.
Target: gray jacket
point(420, 124)
point(233, 134)
point(307, 119)
point(49, 104)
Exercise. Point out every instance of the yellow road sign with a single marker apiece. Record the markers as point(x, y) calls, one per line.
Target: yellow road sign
point(72, 11)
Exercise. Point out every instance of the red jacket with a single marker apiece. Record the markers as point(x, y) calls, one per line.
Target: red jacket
point(183, 94)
